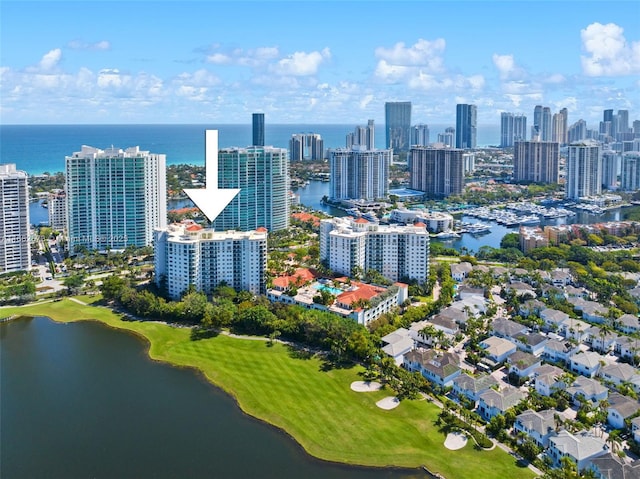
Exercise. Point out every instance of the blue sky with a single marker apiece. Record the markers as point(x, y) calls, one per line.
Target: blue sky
point(314, 62)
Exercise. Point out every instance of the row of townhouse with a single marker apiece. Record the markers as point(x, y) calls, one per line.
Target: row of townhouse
point(524, 351)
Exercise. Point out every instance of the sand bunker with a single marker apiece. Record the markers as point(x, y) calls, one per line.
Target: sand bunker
point(365, 386)
point(455, 440)
point(388, 402)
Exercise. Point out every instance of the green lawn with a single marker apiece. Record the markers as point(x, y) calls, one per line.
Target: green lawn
point(316, 407)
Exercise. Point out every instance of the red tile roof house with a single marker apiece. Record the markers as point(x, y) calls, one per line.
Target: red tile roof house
point(360, 301)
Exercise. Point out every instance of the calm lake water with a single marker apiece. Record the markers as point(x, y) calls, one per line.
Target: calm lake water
point(82, 400)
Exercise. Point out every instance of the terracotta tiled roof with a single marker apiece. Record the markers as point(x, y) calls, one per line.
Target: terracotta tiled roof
point(362, 291)
point(301, 276)
point(303, 216)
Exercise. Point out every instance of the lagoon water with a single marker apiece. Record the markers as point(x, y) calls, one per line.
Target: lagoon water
point(312, 194)
point(81, 400)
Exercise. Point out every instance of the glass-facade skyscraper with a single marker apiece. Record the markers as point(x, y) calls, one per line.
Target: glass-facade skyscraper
point(466, 126)
point(258, 129)
point(439, 172)
point(306, 147)
point(506, 129)
point(15, 244)
point(397, 117)
point(115, 198)
point(584, 170)
point(536, 161)
point(359, 173)
point(262, 174)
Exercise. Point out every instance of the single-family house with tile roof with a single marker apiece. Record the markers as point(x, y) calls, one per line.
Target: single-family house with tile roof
point(438, 367)
point(561, 277)
point(397, 344)
point(460, 271)
point(547, 379)
point(580, 448)
point(628, 323)
point(577, 302)
point(585, 363)
point(627, 347)
point(498, 349)
point(465, 291)
point(506, 328)
point(531, 306)
point(620, 408)
point(531, 343)
point(415, 331)
point(595, 312)
point(601, 343)
point(587, 388)
point(618, 373)
point(553, 318)
point(474, 305)
point(573, 292)
point(457, 315)
point(559, 351)
point(472, 387)
point(523, 364)
point(549, 291)
point(575, 329)
point(610, 466)
point(537, 425)
point(444, 324)
point(491, 402)
point(521, 289)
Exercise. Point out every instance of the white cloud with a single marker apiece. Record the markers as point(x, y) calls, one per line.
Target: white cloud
point(200, 77)
point(239, 56)
point(365, 101)
point(391, 73)
point(608, 52)
point(219, 59)
point(423, 53)
point(426, 82)
point(80, 45)
point(570, 103)
point(507, 67)
point(50, 59)
point(517, 99)
point(476, 82)
point(109, 78)
point(555, 78)
point(421, 67)
point(192, 93)
point(302, 63)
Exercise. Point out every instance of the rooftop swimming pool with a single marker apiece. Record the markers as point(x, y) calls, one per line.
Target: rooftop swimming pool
point(324, 287)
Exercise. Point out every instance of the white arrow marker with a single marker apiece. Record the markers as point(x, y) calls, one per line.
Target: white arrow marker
point(212, 200)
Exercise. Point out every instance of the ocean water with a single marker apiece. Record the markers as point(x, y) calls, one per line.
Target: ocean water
point(42, 148)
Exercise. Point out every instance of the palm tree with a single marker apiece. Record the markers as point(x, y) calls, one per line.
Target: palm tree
point(428, 332)
point(614, 440)
point(605, 330)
